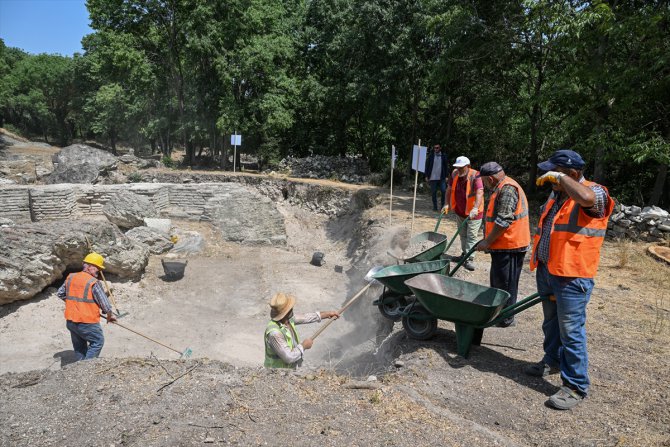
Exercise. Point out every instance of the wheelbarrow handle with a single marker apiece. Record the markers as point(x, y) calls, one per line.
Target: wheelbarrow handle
point(464, 258)
point(453, 238)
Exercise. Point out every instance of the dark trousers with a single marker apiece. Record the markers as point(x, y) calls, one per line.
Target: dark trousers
point(505, 274)
point(434, 184)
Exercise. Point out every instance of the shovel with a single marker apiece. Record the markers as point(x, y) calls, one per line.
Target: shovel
point(107, 289)
point(186, 353)
point(370, 280)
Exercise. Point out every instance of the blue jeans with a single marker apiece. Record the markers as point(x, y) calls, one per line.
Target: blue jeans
point(87, 339)
point(434, 184)
point(564, 326)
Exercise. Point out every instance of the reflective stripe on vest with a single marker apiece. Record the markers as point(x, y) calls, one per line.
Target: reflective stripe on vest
point(470, 190)
point(575, 238)
point(517, 235)
point(80, 307)
point(272, 360)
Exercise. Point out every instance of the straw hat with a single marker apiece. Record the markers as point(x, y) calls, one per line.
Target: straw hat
point(281, 305)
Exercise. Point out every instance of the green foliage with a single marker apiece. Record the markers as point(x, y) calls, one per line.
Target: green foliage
point(510, 81)
point(168, 162)
point(135, 177)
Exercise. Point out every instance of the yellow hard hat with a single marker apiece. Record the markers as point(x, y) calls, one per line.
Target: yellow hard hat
point(96, 260)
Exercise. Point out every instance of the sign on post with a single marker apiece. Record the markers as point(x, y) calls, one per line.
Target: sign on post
point(419, 157)
point(235, 140)
point(418, 164)
point(393, 158)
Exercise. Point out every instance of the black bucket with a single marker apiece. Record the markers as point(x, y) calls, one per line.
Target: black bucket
point(174, 269)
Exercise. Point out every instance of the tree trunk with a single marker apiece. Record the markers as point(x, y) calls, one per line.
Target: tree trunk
point(657, 191)
point(112, 137)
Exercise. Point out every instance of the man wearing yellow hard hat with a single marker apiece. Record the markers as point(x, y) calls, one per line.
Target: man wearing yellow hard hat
point(84, 299)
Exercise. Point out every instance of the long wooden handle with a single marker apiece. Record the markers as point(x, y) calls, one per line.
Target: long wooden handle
point(107, 289)
point(349, 303)
point(145, 336)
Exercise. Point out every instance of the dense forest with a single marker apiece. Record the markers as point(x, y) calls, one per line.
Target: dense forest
point(508, 80)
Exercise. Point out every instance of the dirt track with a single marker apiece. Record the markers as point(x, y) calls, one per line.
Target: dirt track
point(431, 397)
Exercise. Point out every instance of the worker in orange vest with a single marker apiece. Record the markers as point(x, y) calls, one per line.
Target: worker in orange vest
point(506, 231)
point(566, 253)
point(466, 199)
point(84, 299)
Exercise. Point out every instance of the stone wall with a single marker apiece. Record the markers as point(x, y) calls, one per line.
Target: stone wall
point(53, 202)
point(651, 223)
point(15, 203)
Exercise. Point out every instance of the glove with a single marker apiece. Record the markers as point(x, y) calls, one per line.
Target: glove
point(474, 212)
point(551, 176)
point(445, 210)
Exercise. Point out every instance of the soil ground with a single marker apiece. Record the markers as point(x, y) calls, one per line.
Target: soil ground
point(424, 393)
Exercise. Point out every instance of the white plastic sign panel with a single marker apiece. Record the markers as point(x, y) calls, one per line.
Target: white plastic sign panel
point(419, 158)
point(236, 140)
point(393, 157)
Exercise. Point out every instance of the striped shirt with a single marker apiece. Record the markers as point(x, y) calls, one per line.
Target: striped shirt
point(99, 296)
point(598, 210)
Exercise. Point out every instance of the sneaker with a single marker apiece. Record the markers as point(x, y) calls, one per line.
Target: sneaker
point(457, 258)
point(565, 399)
point(507, 323)
point(540, 369)
point(469, 265)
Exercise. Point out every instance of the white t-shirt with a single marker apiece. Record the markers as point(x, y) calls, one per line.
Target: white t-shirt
point(437, 167)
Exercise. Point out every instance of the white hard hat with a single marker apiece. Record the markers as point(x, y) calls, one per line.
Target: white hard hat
point(461, 161)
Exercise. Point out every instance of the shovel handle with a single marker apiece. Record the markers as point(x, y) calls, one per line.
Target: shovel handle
point(349, 303)
point(144, 336)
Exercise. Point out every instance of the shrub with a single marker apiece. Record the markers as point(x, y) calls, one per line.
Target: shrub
point(168, 162)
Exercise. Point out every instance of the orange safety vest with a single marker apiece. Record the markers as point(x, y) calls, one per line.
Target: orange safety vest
point(575, 238)
point(517, 235)
point(79, 304)
point(470, 191)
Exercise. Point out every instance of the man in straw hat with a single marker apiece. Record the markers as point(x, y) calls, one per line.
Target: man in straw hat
point(282, 345)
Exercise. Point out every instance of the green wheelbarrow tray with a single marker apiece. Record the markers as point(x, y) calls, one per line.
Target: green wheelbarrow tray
point(394, 277)
point(469, 306)
point(432, 253)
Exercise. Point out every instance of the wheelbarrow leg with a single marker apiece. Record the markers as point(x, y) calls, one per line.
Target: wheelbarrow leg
point(466, 335)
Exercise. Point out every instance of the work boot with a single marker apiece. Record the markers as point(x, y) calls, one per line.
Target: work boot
point(540, 369)
point(469, 265)
point(565, 399)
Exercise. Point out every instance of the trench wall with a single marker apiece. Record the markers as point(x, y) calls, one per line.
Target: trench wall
point(192, 201)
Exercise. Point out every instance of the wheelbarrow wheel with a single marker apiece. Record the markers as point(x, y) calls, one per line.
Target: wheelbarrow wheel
point(390, 305)
point(419, 324)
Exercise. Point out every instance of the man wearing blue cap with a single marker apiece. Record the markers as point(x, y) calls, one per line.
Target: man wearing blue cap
point(566, 253)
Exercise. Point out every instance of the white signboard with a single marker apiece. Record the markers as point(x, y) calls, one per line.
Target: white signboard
point(236, 140)
point(419, 158)
point(394, 156)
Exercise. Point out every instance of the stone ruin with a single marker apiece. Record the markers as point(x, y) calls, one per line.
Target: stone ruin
point(345, 169)
point(650, 224)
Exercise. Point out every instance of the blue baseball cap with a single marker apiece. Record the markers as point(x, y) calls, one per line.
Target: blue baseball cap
point(564, 158)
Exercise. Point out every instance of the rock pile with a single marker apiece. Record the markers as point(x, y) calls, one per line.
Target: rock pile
point(345, 169)
point(651, 223)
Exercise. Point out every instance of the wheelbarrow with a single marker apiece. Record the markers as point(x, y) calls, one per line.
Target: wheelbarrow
point(174, 268)
point(469, 306)
point(396, 294)
point(437, 244)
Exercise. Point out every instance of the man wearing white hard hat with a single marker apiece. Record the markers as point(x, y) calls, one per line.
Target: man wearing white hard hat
point(466, 199)
point(283, 348)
